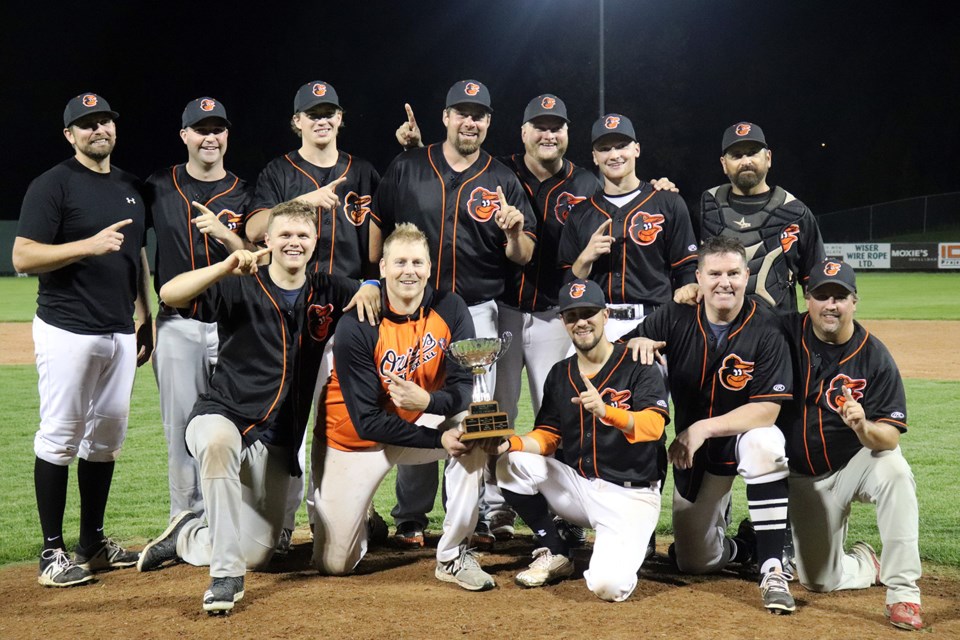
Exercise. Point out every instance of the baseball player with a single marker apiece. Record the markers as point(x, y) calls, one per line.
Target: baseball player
point(395, 398)
point(635, 241)
point(197, 211)
point(729, 371)
point(82, 230)
point(779, 232)
point(245, 430)
point(479, 222)
point(340, 186)
point(844, 427)
point(609, 413)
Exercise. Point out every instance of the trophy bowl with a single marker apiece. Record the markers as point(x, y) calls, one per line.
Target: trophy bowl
point(484, 419)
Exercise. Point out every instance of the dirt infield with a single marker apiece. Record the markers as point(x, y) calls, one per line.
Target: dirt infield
point(395, 595)
point(922, 348)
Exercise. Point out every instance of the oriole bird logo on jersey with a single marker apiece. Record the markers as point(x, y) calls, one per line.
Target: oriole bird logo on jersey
point(735, 372)
point(565, 203)
point(319, 320)
point(645, 227)
point(230, 219)
point(616, 399)
point(788, 237)
point(482, 204)
point(835, 397)
point(356, 207)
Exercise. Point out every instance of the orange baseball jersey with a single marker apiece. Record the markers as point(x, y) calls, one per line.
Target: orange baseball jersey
point(818, 440)
point(359, 412)
point(343, 236)
point(710, 378)
point(654, 253)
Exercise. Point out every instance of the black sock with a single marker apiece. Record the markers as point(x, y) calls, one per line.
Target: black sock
point(536, 513)
point(94, 480)
point(767, 504)
point(50, 481)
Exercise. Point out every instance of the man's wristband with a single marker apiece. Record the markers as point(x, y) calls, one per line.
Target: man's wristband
point(375, 283)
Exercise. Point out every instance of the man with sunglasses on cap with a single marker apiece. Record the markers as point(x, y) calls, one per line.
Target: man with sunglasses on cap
point(82, 226)
point(197, 210)
point(340, 186)
point(779, 232)
point(843, 438)
point(608, 413)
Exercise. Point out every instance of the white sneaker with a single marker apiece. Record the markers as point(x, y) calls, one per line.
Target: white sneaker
point(465, 571)
point(545, 568)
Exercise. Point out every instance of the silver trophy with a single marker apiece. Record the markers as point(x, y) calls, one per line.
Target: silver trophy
point(484, 420)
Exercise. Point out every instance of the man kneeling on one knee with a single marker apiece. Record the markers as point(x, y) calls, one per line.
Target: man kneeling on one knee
point(608, 413)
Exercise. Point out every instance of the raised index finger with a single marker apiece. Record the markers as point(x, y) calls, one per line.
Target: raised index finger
point(261, 252)
point(587, 382)
point(200, 207)
point(334, 183)
point(410, 118)
point(602, 229)
point(393, 377)
point(119, 225)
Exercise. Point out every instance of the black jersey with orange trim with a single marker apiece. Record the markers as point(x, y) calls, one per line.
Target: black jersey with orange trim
point(782, 240)
point(591, 447)
point(534, 286)
point(270, 352)
point(180, 247)
point(343, 236)
point(359, 413)
point(818, 441)
point(456, 211)
point(654, 252)
point(708, 379)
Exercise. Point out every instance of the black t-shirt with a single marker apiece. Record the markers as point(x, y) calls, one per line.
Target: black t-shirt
point(69, 202)
point(745, 205)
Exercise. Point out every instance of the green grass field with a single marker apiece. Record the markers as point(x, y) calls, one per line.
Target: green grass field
point(138, 507)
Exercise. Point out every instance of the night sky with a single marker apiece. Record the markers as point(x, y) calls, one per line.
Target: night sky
point(877, 87)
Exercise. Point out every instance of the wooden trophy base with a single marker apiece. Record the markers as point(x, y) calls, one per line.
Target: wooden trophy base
point(485, 420)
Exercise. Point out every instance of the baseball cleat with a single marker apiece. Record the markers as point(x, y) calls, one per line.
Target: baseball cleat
point(104, 555)
point(58, 570)
point(222, 594)
point(465, 571)
point(164, 547)
point(502, 524)
point(409, 535)
point(775, 591)
point(377, 532)
point(570, 533)
point(904, 615)
point(284, 542)
point(865, 553)
point(546, 567)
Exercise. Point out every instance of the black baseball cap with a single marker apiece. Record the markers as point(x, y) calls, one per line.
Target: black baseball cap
point(835, 272)
point(201, 109)
point(612, 123)
point(469, 92)
point(742, 132)
point(545, 105)
point(85, 104)
point(581, 294)
point(314, 93)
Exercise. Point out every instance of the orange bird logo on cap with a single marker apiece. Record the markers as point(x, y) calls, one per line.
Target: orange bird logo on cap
point(548, 102)
point(835, 397)
point(831, 268)
point(645, 227)
point(89, 100)
point(483, 204)
point(207, 104)
point(471, 89)
point(735, 372)
point(319, 89)
point(577, 289)
point(566, 201)
point(612, 122)
point(788, 237)
point(742, 129)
